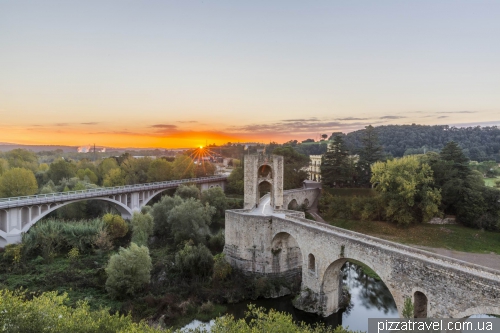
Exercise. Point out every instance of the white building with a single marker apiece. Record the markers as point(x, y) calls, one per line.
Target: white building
point(314, 169)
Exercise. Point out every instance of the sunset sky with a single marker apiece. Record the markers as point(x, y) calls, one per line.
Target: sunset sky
point(182, 73)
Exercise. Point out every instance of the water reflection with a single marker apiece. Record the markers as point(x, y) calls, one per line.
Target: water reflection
point(369, 298)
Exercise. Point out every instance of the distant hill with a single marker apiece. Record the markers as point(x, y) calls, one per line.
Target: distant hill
point(36, 148)
point(478, 143)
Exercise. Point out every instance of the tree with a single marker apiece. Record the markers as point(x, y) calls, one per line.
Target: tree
point(336, 168)
point(216, 198)
point(115, 225)
point(4, 165)
point(188, 191)
point(370, 153)
point(114, 178)
point(106, 166)
point(190, 220)
point(159, 170)
point(17, 182)
point(128, 271)
point(142, 228)
point(194, 260)
point(60, 169)
point(293, 165)
point(87, 174)
point(235, 182)
point(205, 169)
point(407, 189)
point(22, 158)
point(408, 310)
point(135, 170)
point(183, 167)
point(161, 211)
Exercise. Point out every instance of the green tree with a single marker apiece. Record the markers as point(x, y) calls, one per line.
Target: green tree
point(408, 310)
point(106, 166)
point(235, 182)
point(115, 225)
point(17, 182)
point(216, 198)
point(183, 167)
point(336, 167)
point(194, 260)
point(159, 170)
point(188, 191)
point(370, 153)
point(4, 166)
point(60, 169)
point(142, 228)
point(22, 158)
point(407, 189)
point(190, 220)
point(87, 174)
point(161, 211)
point(293, 165)
point(114, 178)
point(205, 169)
point(135, 170)
point(128, 271)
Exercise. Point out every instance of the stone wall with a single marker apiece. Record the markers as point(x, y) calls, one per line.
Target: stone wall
point(453, 288)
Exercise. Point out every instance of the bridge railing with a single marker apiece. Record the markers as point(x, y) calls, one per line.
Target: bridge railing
point(100, 191)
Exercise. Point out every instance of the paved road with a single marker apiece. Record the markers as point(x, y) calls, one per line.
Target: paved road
point(490, 260)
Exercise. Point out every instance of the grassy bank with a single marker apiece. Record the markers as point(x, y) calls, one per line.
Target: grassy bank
point(453, 237)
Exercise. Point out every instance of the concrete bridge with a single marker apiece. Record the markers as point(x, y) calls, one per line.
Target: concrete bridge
point(277, 242)
point(19, 214)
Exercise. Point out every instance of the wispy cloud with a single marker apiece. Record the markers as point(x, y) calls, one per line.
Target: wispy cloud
point(90, 123)
point(164, 126)
point(187, 121)
point(457, 112)
point(441, 117)
point(61, 124)
point(392, 117)
point(352, 118)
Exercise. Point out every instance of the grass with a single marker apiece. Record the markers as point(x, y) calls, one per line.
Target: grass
point(452, 237)
point(490, 181)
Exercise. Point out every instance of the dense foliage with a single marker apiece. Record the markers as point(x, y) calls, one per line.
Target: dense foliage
point(478, 143)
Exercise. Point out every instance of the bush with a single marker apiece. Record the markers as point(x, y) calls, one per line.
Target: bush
point(190, 221)
point(194, 260)
point(13, 253)
point(52, 236)
point(48, 312)
point(115, 225)
point(128, 271)
point(216, 198)
point(222, 269)
point(142, 228)
point(216, 242)
point(188, 191)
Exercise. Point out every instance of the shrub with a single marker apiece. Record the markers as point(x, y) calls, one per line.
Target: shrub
point(222, 269)
point(194, 260)
point(408, 308)
point(128, 270)
point(73, 254)
point(142, 228)
point(13, 253)
point(216, 242)
point(52, 236)
point(48, 312)
point(216, 198)
point(103, 241)
point(115, 225)
point(190, 220)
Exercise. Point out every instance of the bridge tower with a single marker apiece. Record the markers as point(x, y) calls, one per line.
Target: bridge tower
point(263, 173)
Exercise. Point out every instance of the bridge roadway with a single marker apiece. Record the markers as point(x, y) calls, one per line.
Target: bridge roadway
point(18, 214)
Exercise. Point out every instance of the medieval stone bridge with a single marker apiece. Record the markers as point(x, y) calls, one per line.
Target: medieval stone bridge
point(278, 242)
point(19, 214)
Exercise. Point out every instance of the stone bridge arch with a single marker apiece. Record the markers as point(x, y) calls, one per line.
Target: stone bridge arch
point(331, 285)
point(286, 254)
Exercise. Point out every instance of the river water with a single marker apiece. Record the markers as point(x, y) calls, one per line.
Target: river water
point(370, 298)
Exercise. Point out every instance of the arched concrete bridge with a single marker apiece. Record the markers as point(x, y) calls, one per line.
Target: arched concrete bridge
point(19, 214)
point(278, 242)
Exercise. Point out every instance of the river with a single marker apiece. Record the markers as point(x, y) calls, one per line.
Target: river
point(370, 298)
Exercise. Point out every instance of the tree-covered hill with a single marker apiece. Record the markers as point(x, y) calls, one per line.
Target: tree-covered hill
point(478, 143)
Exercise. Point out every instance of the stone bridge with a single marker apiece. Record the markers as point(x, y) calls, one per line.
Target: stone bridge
point(19, 214)
point(277, 242)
